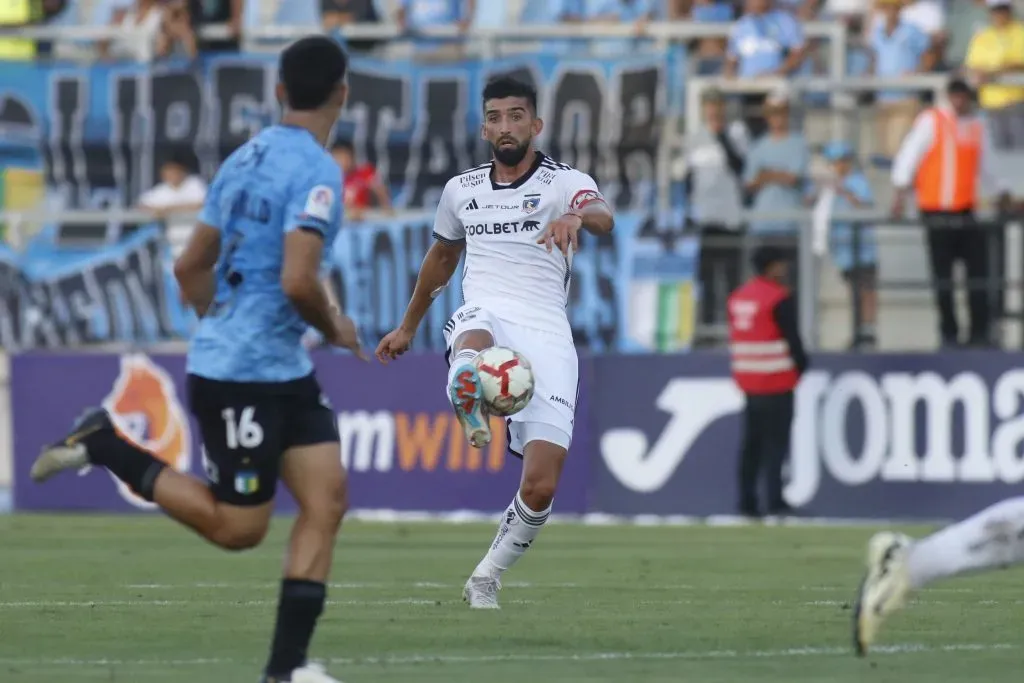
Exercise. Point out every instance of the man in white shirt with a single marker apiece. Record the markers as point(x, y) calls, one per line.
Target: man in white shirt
point(177, 193)
point(518, 219)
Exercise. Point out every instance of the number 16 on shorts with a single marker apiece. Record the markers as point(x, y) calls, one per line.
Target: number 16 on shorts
point(242, 430)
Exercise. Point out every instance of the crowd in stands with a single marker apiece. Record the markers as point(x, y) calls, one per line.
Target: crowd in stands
point(761, 161)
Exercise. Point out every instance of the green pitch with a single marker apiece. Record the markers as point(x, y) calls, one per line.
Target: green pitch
point(138, 600)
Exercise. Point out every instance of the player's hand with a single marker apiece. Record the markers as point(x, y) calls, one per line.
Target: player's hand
point(346, 335)
point(394, 344)
point(562, 233)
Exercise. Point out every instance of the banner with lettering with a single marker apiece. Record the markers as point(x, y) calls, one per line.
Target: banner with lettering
point(55, 297)
point(98, 134)
point(400, 441)
point(917, 436)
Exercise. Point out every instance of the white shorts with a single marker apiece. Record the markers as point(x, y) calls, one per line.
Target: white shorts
point(551, 412)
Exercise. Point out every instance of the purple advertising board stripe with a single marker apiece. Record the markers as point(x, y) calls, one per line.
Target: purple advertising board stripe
point(400, 441)
point(883, 436)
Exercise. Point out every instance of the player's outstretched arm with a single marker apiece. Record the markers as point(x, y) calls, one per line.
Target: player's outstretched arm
point(437, 269)
point(194, 268)
point(300, 282)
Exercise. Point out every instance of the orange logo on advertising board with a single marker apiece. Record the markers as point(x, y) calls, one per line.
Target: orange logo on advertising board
point(145, 408)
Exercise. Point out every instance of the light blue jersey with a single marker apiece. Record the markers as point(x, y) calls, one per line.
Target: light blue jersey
point(281, 180)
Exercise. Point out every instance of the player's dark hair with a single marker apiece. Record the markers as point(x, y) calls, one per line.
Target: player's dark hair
point(506, 86)
point(310, 69)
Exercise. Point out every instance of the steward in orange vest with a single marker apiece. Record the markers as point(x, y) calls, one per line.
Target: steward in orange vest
point(945, 161)
point(768, 359)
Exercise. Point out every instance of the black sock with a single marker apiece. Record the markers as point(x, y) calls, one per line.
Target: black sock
point(126, 461)
point(298, 608)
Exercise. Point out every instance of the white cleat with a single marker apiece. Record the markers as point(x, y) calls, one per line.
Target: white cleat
point(884, 588)
point(481, 592)
point(58, 458)
point(309, 673)
point(312, 673)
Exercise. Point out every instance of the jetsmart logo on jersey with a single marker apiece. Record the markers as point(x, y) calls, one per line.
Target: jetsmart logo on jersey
point(853, 427)
point(507, 228)
point(384, 441)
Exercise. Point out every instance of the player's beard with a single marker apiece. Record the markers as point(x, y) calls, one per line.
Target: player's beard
point(511, 156)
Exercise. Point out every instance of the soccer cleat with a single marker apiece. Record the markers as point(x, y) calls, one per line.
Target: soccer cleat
point(481, 592)
point(70, 453)
point(308, 673)
point(467, 397)
point(884, 588)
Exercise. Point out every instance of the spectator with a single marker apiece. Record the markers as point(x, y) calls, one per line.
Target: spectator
point(898, 48)
point(929, 16)
point(143, 24)
point(548, 12)
point(177, 31)
point(417, 14)
point(945, 155)
point(218, 12)
point(714, 158)
point(998, 50)
point(339, 13)
point(710, 52)
point(14, 14)
point(764, 42)
point(637, 13)
point(362, 186)
point(776, 170)
point(178, 192)
point(856, 257)
point(965, 19)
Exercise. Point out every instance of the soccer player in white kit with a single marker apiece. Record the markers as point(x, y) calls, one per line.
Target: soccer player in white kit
point(518, 218)
point(898, 565)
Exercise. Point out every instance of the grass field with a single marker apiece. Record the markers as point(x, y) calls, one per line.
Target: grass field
point(138, 600)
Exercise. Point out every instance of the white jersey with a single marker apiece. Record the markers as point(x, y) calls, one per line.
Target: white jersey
point(506, 271)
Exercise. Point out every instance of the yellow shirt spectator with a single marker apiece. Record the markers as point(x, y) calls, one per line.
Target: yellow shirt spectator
point(17, 13)
point(996, 48)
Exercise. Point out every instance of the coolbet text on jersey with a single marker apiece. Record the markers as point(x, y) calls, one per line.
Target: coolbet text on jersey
point(506, 270)
point(281, 180)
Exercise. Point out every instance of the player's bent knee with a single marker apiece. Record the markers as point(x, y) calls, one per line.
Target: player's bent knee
point(239, 527)
point(478, 340)
point(239, 539)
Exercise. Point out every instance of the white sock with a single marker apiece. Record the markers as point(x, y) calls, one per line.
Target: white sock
point(991, 539)
point(519, 526)
point(460, 359)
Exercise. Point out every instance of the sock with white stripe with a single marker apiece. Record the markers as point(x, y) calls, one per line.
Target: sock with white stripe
point(519, 526)
point(991, 539)
point(460, 360)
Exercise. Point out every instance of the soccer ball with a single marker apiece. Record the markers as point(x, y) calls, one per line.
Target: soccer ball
point(506, 379)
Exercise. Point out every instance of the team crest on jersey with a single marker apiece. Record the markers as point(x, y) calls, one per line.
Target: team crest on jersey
point(319, 203)
point(145, 408)
point(531, 203)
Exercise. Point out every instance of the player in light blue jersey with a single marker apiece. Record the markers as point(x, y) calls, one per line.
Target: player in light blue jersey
point(252, 271)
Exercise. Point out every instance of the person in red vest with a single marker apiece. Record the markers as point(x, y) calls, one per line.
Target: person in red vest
point(363, 188)
point(768, 359)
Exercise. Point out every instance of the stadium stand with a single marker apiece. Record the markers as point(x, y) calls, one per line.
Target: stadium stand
point(835, 56)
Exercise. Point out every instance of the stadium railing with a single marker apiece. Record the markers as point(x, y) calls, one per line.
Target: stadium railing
point(1005, 284)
